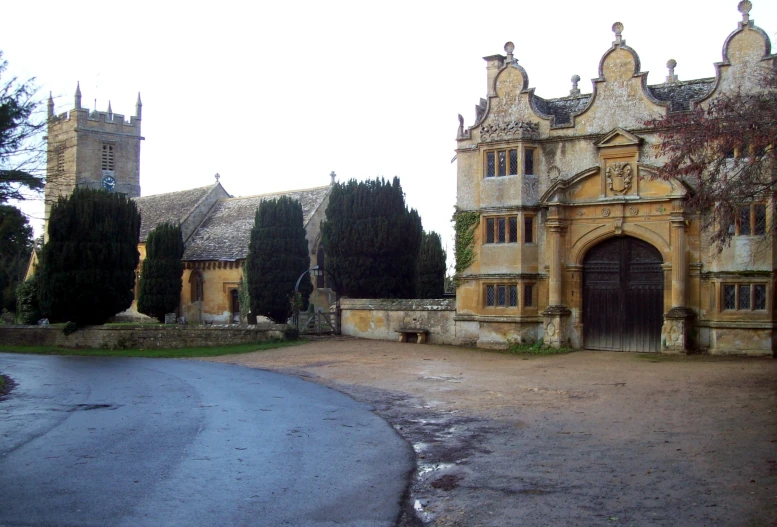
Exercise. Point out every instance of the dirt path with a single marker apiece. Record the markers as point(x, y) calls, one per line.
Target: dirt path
point(589, 438)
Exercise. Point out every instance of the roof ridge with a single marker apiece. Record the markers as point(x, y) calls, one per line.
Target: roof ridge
point(278, 192)
point(176, 192)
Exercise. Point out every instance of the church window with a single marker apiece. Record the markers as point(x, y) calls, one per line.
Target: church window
point(107, 159)
point(320, 278)
point(197, 283)
point(502, 163)
point(502, 229)
point(60, 160)
point(528, 161)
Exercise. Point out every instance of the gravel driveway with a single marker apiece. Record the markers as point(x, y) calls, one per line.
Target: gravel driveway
point(588, 438)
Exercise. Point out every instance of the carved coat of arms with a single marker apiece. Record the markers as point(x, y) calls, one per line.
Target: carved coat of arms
point(619, 177)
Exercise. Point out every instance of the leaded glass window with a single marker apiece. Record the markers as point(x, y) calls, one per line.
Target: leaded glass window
point(513, 296)
point(501, 296)
point(744, 296)
point(490, 295)
point(759, 296)
point(759, 226)
point(729, 297)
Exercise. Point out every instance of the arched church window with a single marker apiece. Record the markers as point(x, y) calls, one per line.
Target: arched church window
point(320, 257)
point(196, 282)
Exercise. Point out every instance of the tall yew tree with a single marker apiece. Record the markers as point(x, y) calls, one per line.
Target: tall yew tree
point(87, 269)
point(159, 291)
point(372, 239)
point(277, 255)
point(431, 267)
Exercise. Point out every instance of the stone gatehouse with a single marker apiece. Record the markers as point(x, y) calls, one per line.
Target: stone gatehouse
point(576, 244)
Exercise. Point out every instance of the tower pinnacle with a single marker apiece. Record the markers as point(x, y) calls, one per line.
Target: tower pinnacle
point(78, 96)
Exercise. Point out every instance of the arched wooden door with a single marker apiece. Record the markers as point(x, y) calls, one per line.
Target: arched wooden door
point(623, 304)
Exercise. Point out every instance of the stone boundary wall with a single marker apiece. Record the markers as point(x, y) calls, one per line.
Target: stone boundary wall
point(379, 319)
point(139, 337)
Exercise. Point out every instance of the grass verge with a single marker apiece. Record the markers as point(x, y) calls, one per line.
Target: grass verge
point(178, 353)
point(536, 349)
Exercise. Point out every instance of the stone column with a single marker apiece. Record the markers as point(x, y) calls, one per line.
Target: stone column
point(678, 322)
point(554, 244)
point(556, 316)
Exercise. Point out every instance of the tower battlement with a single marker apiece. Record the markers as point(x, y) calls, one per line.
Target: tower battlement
point(92, 148)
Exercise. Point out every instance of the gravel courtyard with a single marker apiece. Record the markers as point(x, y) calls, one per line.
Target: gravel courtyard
point(587, 438)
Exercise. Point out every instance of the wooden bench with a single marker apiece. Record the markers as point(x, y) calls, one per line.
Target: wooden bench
point(421, 334)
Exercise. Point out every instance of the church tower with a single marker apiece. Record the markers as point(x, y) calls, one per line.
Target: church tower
point(91, 149)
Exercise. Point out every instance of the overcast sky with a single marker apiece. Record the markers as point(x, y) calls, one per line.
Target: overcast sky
point(276, 95)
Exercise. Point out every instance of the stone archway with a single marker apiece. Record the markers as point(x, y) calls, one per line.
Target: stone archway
point(623, 285)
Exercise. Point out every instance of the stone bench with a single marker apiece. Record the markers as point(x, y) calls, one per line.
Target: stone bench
point(421, 334)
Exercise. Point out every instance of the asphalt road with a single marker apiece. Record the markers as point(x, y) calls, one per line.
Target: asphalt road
point(135, 442)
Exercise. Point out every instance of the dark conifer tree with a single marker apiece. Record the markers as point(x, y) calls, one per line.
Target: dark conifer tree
point(372, 239)
point(159, 291)
point(277, 256)
point(431, 267)
point(87, 269)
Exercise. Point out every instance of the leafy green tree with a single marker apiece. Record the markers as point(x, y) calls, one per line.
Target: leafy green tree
point(15, 246)
point(21, 154)
point(87, 269)
point(431, 267)
point(159, 291)
point(372, 239)
point(277, 256)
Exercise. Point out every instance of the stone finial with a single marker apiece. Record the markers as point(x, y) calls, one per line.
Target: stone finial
point(333, 176)
point(575, 90)
point(617, 28)
point(744, 7)
point(671, 78)
point(138, 107)
point(78, 96)
point(217, 177)
point(509, 48)
point(51, 106)
point(110, 110)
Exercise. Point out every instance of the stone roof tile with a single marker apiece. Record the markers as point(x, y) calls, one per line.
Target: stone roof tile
point(224, 235)
point(171, 207)
point(680, 94)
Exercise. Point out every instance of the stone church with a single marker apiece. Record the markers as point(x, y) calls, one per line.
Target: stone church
point(576, 245)
point(102, 150)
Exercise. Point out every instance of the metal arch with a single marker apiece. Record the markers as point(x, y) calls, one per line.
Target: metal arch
point(335, 288)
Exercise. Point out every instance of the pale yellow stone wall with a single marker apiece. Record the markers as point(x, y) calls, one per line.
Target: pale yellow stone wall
point(380, 319)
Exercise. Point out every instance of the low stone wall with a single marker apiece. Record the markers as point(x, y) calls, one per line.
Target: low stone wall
point(380, 319)
point(139, 337)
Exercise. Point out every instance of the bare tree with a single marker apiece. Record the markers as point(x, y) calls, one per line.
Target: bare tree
point(725, 150)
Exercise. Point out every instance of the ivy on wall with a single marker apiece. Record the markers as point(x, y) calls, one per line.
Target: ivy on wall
point(464, 225)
